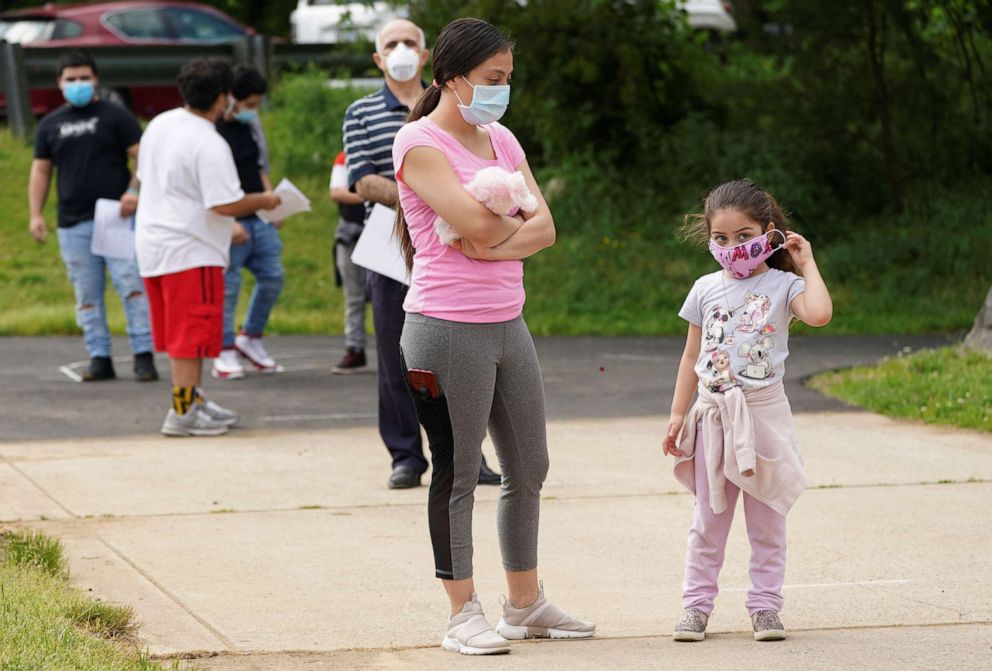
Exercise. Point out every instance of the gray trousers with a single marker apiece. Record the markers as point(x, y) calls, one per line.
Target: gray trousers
point(489, 376)
point(355, 295)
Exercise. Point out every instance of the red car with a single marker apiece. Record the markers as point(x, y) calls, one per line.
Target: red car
point(118, 24)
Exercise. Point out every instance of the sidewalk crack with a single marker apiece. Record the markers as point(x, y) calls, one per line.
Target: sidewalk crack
point(37, 486)
point(172, 597)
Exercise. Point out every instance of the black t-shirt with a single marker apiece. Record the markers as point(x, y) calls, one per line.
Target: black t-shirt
point(246, 154)
point(354, 214)
point(88, 147)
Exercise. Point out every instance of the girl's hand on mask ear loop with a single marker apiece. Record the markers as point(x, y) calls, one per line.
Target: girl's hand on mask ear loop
point(799, 249)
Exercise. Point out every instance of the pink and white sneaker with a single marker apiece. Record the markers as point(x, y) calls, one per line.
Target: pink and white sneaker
point(227, 366)
point(541, 619)
point(252, 349)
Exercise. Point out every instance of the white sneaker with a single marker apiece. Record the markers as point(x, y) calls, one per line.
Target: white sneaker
point(227, 366)
point(196, 422)
point(252, 349)
point(541, 619)
point(470, 633)
point(216, 411)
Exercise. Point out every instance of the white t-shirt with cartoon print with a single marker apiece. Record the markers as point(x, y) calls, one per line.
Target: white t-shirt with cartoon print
point(745, 325)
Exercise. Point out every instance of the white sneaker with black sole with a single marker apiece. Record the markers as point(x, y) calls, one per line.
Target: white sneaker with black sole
point(196, 422)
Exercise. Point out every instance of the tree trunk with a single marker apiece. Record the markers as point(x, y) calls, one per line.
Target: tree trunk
point(980, 336)
point(877, 27)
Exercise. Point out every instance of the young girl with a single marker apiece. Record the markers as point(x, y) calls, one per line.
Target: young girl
point(739, 435)
point(471, 360)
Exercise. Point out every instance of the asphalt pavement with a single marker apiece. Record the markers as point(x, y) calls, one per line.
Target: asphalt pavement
point(585, 377)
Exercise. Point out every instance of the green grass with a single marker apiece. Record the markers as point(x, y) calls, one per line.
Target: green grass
point(47, 625)
point(944, 386)
point(34, 550)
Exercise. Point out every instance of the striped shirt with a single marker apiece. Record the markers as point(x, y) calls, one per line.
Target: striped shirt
point(370, 125)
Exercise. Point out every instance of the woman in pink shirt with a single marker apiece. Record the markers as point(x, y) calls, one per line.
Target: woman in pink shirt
point(471, 358)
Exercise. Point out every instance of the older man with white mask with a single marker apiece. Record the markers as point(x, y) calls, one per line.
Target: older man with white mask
point(370, 125)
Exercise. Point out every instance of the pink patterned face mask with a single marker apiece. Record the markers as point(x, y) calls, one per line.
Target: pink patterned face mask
point(742, 260)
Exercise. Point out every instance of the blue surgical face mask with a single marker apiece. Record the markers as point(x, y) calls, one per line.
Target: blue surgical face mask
point(246, 116)
point(78, 94)
point(489, 103)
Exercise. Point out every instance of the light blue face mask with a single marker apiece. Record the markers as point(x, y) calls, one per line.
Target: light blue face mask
point(78, 94)
point(246, 116)
point(489, 103)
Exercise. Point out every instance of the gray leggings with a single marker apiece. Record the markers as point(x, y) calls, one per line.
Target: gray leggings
point(489, 376)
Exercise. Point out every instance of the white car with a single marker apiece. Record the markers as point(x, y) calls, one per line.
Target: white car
point(709, 15)
point(327, 21)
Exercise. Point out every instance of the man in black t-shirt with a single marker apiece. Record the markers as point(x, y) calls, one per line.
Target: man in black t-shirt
point(255, 244)
point(89, 141)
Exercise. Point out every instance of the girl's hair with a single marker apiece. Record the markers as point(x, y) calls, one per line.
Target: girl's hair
point(753, 202)
point(462, 46)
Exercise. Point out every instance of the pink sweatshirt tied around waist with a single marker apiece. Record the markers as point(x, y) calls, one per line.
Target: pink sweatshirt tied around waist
point(743, 431)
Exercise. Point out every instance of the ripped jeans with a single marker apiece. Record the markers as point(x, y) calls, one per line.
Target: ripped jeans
point(88, 276)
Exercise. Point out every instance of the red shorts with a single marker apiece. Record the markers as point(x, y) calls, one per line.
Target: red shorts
point(187, 310)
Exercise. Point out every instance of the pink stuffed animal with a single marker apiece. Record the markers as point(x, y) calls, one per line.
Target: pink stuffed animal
point(498, 190)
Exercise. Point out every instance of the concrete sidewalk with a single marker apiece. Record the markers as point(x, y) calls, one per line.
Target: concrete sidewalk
point(273, 550)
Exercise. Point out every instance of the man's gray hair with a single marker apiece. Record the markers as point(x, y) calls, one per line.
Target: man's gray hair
point(420, 33)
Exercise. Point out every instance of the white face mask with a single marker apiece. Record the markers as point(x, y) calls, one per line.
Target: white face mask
point(403, 63)
point(489, 103)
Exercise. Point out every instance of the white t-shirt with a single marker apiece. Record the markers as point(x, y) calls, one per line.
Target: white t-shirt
point(745, 324)
point(185, 168)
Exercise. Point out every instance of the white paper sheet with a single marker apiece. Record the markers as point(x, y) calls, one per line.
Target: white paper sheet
point(113, 236)
point(293, 202)
point(377, 249)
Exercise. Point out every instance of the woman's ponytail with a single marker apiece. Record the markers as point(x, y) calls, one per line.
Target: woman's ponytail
point(427, 103)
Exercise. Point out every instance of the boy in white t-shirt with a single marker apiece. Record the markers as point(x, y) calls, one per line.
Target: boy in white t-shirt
point(190, 194)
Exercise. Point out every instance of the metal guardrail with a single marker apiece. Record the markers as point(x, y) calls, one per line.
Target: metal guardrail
point(26, 68)
point(285, 56)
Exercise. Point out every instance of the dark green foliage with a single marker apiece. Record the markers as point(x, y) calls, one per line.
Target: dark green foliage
point(841, 104)
point(598, 79)
point(305, 124)
point(888, 92)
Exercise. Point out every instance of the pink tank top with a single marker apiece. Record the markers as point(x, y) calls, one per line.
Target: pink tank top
point(446, 284)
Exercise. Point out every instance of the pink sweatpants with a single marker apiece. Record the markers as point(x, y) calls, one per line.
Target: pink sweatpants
point(708, 539)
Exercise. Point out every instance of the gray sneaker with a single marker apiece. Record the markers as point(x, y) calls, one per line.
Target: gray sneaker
point(691, 626)
point(767, 626)
point(541, 619)
point(196, 422)
point(217, 412)
point(470, 634)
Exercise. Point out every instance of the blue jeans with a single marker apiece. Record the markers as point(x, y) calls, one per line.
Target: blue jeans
point(88, 276)
point(262, 255)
